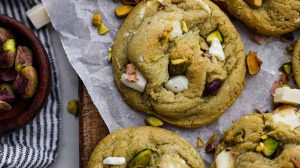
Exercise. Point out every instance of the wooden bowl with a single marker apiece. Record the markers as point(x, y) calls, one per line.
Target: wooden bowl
point(25, 111)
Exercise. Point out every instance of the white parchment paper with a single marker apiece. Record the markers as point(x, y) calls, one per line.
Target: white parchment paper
point(87, 52)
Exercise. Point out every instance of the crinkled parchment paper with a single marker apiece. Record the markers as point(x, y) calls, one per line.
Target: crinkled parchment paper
point(87, 52)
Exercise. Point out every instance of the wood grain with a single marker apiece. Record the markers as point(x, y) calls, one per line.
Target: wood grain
point(91, 125)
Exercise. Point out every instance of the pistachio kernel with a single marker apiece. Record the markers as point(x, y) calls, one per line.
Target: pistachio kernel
point(97, 19)
point(199, 142)
point(184, 27)
point(123, 11)
point(263, 137)
point(153, 121)
point(102, 29)
point(260, 147)
point(10, 45)
point(73, 107)
point(142, 159)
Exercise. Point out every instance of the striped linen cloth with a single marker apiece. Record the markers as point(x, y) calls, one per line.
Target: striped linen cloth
point(36, 144)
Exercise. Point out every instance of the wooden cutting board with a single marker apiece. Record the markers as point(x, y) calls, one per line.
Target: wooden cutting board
point(91, 125)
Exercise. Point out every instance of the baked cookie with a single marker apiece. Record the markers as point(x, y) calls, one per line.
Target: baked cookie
point(145, 147)
point(268, 17)
point(268, 140)
point(180, 60)
point(296, 63)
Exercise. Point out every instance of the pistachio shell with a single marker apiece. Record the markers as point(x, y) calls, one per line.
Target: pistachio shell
point(253, 63)
point(4, 35)
point(6, 93)
point(5, 106)
point(26, 83)
point(23, 58)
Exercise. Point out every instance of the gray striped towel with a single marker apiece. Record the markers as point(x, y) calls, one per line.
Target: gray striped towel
point(36, 144)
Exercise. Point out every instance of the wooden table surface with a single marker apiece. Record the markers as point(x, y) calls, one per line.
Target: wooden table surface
point(91, 125)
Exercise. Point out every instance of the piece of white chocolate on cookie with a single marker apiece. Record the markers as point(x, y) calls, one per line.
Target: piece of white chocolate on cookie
point(225, 160)
point(216, 49)
point(115, 161)
point(287, 116)
point(287, 96)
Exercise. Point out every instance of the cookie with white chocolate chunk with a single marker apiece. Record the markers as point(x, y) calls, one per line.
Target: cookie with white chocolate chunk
point(296, 63)
point(143, 147)
point(182, 61)
point(268, 17)
point(269, 140)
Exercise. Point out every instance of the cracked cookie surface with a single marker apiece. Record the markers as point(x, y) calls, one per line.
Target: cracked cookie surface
point(296, 63)
point(269, 140)
point(168, 148)
point(273, 17)
point(169, 44)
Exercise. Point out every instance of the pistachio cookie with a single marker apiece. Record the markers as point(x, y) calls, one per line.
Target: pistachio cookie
point(296, 63)
point(268, 17)
point(268, 140)
point(180, 60)
point(145, 147)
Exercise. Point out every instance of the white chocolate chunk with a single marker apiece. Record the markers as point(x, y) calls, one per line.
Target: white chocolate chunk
point(204, 6)
point(38, 16)
point(287, 96)
point(287, 116)
point(176, 31)
point(138, 85)
point(168, 161)
point(177, 84)
point(142, 13)
point(216, 49)
point(114, 161)
point(225, 160)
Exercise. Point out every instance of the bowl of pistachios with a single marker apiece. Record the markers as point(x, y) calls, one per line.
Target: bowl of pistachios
point(25, 74)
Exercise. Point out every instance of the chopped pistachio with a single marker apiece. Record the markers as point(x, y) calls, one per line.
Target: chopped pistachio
point(270, 146)
point(155, 58)
point(179, 61)
point(210, 144)
point(255, 3)
point(73, 107)
point(102, 29)
point(263, 137)
point(199, 142)
point(97, 19)
point(123, 11)
point(184, 27)
point(153, 121)
point(215, 34)
point(142, 159)
point(109, 54)
point(19, 67)
point(10, 45)
point(260, 147)
point(287, 67)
